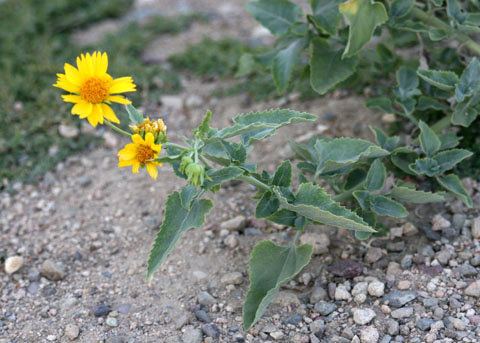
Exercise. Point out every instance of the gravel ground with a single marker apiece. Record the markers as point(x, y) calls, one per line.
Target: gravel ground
point(76, 245)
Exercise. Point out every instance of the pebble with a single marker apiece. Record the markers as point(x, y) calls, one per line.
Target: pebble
point(101, 310)
point(277, 335)
point(319, 241)
point(235, 224)
point(473, 289)
point(424, 323)
point(211, 330)
point(68, 131)
point(325, 308)
point(376, 288)
point(235, 278)
point(341, 293)
point(399, 298)
point(13, 264)
point(52, 270)
point(369, 335)
point(362, 316)
point(206, 299)
point(404, 285)
point(192, 335)
point(458, 324)
point(112, 322)
point(198, 275)
point(231, 241)
point(360, 288)
point(476, 228)
point(373, 255)
point(317, 327)
point(393, 327)
point(318, 293)
point(409, 229)
point(203, 316)
point(346, 268)
point(72, 331)
point(439, 223)
point(402, 312)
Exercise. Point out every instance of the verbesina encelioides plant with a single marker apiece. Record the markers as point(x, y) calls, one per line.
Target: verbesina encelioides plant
point(357, 173)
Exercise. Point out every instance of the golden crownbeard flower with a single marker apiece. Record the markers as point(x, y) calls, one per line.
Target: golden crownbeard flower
point(93, 89)
point(156, 127)
point(141, 153)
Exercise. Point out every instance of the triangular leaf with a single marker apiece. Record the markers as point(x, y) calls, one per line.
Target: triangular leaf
point(285, 62)
point(283, 175)
point(469, 81)
point(326, 14)
point(452, 183)
point(276, 15)
point(376, 176)
point(383, 206)
point(444, 80)
point(405, 194)
point(428, 139)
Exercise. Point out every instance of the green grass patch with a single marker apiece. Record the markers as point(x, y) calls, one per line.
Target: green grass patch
point(34, 45)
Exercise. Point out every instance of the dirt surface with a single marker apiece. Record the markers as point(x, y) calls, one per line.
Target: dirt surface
point(84, 233)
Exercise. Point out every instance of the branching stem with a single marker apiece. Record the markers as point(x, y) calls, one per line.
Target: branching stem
point(117, 129)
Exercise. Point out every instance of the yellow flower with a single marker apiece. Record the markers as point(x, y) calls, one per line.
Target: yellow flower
point(154, 126)
point(141, 153)
point(93, 89)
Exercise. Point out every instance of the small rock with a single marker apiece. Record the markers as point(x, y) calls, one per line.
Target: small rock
point(473, 289)
point(409, 229)
point(325, 308)
point(439, 223)
point(52, 270)
point(318, 293)
point(341, 293)
point(402, 312)
point(369, 335)
point(124, 308)
point(373, 255)
point(406, 262)
point(444, 255)
point(198, 275)
point(319, 241)
point(458, 324)
point(396, 246)
point(392, 327)
point(231, 241)
point(360, 288)
point(317, 327)
point(33, 288)
point(72, 331)
point(192, 335)
point(476, 228)
point(277, 335)
point(68, 131)
point(362, 316)
point(33, 275)
point(346, 268)
point(376, 288)
point(112, 322)
point(110, 139)
point(13, 264)
point(399, 298)
point(101, 310)
point(404, 285)
point(458, 220)
point(235, 224)
point(203, 316)
point(235, 278)
point(173, 102)
point(466, 270)
point(424, 323)
point(211, 330)
point(206, 299)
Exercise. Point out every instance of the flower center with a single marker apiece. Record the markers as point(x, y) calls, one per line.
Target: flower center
point(94, 90)
point(144, 154)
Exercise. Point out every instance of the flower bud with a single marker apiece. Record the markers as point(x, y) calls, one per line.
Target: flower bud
point(186, 160)
point(195, 173)
point(156, 127)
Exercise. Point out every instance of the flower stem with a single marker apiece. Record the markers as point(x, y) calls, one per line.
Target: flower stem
point(117, 129)
point(434, 21)
point(253, 181)
point(442, 124)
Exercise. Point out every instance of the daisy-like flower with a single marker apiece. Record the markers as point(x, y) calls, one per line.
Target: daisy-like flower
point(93, 89)
point(141, 153)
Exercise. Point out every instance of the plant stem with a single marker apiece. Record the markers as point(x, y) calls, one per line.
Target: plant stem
point(253, 181)
point(442, 124)
point(175, 145)
point(117, 129)
point(434, 21)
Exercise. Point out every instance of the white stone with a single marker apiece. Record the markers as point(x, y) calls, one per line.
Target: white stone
point(13, 264)
point(369, 335)
point(376, 288)
point(476, 228)
point(362, 316)
point(319, 241)
point(341, 293)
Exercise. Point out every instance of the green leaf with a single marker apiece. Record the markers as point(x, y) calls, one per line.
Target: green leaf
point(204, 129)
point(285, 62)
point(259, 125)
point(405, 194)
point(383, 206)
point(355, 178)
point(363, 16)
point(223, 152)
point(455, 11)
point(246, 65)
point(334, 154)
point(327, 68)
point(403, 158)
point(267, 205)
point(400, 8)
point(313, 203)
point(429, 140)
point(362, 198)
point(466, 112)
point(134, 115)
point(362, 236)
point(270, 267)
point(407, 81)
point(376, 176)
point(429, 103)
point(444, 80)
point(276, 15)
point(176, 221)
point(385, 142)
point(381, 103)
point(469, 81)
point(283, 175)
point(452, 183)
point(284, 217)
point(216, 177)
point(326, 14)
point(426, 166)
point(449, 140)
point(450, 158)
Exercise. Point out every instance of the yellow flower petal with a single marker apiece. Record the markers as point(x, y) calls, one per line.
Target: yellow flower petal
point(83, 109)
point(100, 62)
point(122, 85)
point(93, 118)
point(66, 85)
point(152, 170)
point(137, 139)
point(135, 167)
point(109, 114)
point(127, 153)
point(149, 139)
point(72, 75)
point(72, 98)
point(125, 163)
point(119, 99)
point(98, 110)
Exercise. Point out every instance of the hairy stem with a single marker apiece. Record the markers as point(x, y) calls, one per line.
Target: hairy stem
point(442, 124)
point(434, 21)
point(117, 129)
point(253, 181)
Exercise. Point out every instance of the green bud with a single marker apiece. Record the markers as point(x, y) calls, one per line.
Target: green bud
point(195, 173)
point(186, 160)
